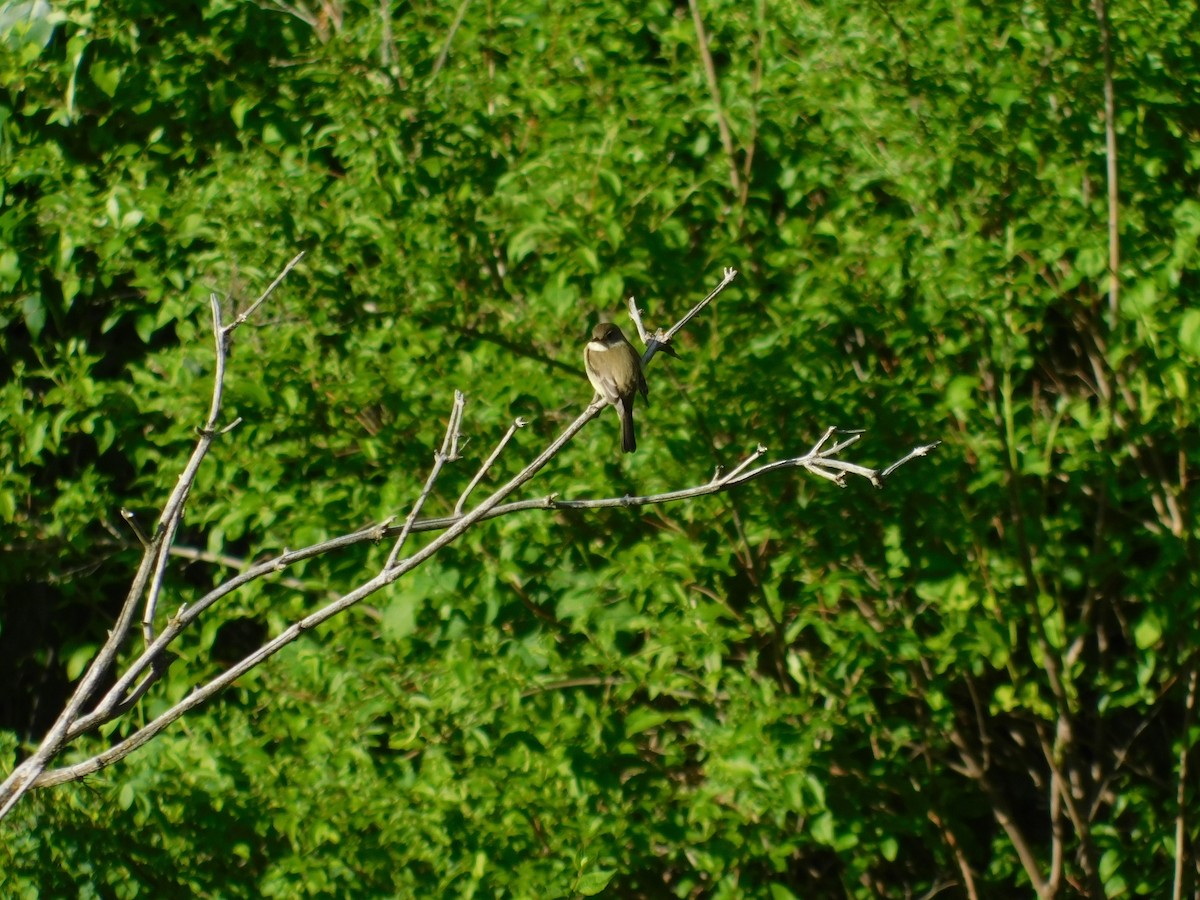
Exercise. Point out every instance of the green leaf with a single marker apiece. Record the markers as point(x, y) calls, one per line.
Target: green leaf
point(821, 829)
point(237, 112)
point(643, 719)
point(595, 881)
point(400, 616)
point(1148, 631)
point(890, 848)
point(1189, 331)
point(144, 325)
point(526, 241)
point(1092, 261)
point(10, 268)
point(104, 76)
point(34, 312)
point(960, 394)
point(78, 659)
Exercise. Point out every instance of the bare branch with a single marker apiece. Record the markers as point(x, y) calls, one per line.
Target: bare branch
point(173, 512)
point(24, 776)
point(811, 461)
point(653, 342)
point(387, 576)
point(200, 695)
point(110, 703)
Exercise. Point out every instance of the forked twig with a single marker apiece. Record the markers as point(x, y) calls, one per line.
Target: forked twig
point(448, 452)
point(488, 463)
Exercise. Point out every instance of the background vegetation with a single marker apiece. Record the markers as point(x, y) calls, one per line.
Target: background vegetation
point(976, 681)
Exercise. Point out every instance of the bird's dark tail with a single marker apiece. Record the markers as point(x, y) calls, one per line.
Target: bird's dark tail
point(628, 441)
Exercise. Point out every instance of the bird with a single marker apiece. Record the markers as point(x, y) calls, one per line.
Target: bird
point(614, 368)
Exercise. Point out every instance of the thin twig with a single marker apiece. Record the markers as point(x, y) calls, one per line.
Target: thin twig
point(745, 463)
point(829, 432)
point(1110, 153)
point(652, 342)
point(250, 310)
point(387, 49)
point(813, 461)
point(636, 315)
point(195, 554)
point(131, 520)
point(488, 463)
point(1189, 713)
point(445, 454)
point(710, 74)
point(923, 450)
point(172, 514)
point(454, 26)
point(665, 337)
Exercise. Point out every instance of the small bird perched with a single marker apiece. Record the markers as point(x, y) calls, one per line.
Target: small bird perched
point(615, 370)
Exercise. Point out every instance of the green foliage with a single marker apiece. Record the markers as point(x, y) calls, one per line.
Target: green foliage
point(789, 690)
